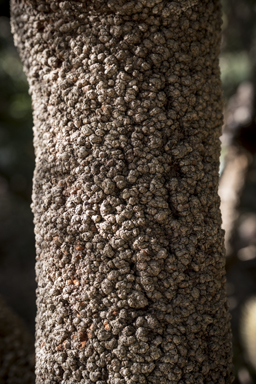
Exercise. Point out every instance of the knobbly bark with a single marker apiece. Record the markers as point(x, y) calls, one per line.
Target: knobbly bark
point(130, 255)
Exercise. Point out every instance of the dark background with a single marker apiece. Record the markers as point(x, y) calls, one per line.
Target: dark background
point(17, 253)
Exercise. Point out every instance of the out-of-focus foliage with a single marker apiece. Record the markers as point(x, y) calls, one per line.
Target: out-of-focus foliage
point(238, 71)
point(16, 150)
point(235, 68)
point(16, 170)
point(238, 55)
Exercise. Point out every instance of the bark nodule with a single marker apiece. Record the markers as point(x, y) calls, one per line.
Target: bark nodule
point(130, 255)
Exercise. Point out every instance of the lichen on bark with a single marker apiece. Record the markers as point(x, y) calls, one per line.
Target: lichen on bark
point(130, 255)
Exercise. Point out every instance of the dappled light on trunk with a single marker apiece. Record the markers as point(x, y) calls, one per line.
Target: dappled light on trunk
point(130, 250)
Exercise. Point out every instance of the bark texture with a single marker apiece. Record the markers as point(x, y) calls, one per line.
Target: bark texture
point(130, 255)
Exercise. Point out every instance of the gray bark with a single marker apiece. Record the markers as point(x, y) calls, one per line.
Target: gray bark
point(130, 255)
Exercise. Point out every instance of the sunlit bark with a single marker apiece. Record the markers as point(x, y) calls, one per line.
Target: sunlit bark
point(130, 255)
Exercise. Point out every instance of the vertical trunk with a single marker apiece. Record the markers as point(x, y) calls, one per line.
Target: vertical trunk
point(130, 255)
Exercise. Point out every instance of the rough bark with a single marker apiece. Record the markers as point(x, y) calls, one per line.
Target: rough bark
point(130, 255)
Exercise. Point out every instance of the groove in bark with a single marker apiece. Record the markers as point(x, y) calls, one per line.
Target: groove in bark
point(130, 255)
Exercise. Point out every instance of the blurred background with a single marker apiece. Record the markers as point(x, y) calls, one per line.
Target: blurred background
point(237, 183)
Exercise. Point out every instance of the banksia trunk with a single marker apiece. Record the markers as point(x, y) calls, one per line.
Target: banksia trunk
point(130, 255)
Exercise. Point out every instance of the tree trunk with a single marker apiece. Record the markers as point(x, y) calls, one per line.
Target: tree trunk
point(130, 256)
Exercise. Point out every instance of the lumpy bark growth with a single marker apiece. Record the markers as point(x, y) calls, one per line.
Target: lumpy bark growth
point(130, 256)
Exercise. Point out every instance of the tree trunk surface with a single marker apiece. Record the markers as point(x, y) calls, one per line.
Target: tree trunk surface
point(130, 255)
